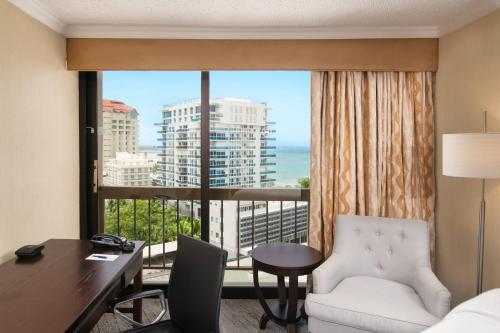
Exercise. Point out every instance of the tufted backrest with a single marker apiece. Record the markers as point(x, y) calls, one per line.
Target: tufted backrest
point(382, 247)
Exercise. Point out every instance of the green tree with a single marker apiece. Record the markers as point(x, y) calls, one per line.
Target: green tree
point(303, 182)
point(163, 226)
point(155, 169)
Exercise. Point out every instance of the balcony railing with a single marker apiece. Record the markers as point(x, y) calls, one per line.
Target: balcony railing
point(240, 219)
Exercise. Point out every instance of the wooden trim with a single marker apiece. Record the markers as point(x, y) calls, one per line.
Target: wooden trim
point(404, 54)
point(205, 156)
point(186, 193)
point(88, 91)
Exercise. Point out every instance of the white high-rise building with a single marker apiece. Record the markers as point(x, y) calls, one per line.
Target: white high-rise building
point(240, 157)
point(120, 129)
point(239, 150)
point(128, 170)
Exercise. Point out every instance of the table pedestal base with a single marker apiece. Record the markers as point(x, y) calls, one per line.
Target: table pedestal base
point(280, 314)
point(283, 259)
point(285, 313)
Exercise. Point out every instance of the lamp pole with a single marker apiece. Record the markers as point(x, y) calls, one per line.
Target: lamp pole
point(482, 211)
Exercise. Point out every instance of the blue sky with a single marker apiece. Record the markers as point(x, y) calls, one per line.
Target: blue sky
point(287, 93)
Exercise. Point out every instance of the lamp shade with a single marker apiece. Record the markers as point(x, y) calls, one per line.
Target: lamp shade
point(471, 155)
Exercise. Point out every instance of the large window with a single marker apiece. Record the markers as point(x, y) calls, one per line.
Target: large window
point(258, 138)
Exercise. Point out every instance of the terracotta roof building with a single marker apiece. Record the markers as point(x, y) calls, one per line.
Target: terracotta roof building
point(120, 124)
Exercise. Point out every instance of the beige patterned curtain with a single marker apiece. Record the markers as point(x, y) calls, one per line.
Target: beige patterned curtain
point(372, 150)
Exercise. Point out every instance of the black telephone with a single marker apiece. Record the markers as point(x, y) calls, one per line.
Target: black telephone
point(113, 241)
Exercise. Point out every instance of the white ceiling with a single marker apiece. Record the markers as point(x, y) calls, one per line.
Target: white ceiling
point(256, 18)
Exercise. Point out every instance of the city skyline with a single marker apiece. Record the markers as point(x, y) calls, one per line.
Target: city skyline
point(242, 155)
point(286, 93)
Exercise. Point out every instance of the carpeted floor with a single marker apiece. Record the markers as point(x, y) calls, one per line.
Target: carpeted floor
point(237, 316)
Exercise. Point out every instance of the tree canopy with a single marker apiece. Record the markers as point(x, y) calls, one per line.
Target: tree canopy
point(303, 182)
point(157, 219)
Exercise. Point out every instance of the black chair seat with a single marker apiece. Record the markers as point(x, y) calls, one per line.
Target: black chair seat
point(166, 326)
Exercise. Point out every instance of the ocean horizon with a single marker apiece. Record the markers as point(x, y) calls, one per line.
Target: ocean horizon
point(292, 163)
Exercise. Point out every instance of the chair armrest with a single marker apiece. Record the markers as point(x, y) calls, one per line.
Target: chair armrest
point(150, 293)
point(328, 274)
point(433, 293)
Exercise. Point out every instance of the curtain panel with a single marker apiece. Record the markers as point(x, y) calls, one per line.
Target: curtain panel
point(372, 152)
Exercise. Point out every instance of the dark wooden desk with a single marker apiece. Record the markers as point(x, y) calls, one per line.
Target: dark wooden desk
point(283, 259)
point(61, 291)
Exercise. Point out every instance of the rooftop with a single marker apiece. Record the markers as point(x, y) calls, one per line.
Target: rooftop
point(115, 106)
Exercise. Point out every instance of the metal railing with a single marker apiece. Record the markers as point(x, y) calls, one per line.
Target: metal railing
point(261, 215)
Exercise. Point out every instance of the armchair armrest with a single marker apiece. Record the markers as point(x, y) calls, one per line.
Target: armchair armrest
point(150, 293)
point(328, 274)
point(433, 293)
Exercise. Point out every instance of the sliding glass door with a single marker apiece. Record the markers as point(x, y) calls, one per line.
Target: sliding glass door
point(222, 156)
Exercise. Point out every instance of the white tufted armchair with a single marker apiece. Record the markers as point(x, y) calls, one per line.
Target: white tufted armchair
point(378, 279)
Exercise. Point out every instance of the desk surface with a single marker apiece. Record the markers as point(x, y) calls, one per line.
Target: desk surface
point(49, 293)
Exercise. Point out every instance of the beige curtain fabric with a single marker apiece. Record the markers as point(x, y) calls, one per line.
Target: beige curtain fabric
point(372, 150)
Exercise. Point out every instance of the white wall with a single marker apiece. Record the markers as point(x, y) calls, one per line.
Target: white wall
point(39, 170)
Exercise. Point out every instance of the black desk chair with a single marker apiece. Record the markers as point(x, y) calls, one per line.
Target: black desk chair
point(194, 291)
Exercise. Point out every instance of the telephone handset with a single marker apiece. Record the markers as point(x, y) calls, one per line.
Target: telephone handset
point(113, 241)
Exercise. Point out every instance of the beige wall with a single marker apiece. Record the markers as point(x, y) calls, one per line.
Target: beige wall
point(39, 172)
point(468, 82)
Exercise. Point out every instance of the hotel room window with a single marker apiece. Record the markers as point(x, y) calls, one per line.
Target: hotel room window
point(158, 148)
point(259, 142)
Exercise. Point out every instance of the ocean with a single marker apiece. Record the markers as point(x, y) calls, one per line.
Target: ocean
point(292, 163)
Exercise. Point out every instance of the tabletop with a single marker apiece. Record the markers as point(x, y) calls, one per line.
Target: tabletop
point(289, 256)
point(50, 292)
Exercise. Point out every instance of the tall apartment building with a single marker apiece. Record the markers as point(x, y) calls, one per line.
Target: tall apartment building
point(120, 129)
point(239, 151)
point(240, 157)
point(128, 170)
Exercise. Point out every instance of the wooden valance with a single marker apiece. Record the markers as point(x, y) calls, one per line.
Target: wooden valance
point(94, 54)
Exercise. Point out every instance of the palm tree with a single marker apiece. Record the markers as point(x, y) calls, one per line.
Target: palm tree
point(303, 182)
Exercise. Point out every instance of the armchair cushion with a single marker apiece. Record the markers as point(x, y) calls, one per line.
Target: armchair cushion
point(371, 304)
point(328, 274)
point(434, 295)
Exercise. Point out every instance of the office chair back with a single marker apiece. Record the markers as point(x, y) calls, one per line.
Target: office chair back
point(195, 286)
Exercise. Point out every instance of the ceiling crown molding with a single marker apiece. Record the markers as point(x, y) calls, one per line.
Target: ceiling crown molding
point(486, 9)
point(147, 31)
point(40, 13)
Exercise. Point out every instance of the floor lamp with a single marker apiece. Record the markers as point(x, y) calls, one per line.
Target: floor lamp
point(473, 155)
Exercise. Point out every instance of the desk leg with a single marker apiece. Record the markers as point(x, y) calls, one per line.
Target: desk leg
point(138, 302)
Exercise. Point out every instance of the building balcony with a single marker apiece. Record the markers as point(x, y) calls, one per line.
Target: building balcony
point(257, 216)
point(218, 176)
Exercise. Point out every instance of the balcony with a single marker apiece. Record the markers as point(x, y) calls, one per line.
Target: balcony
point(240, 219)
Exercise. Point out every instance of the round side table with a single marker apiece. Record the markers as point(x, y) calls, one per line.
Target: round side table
point(283, 259)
